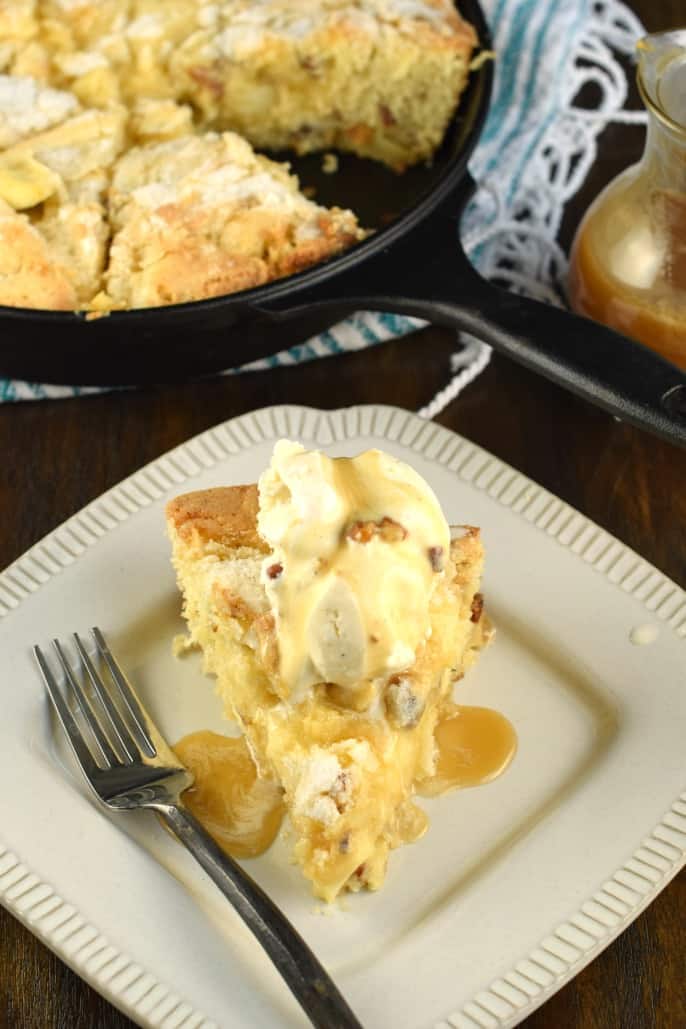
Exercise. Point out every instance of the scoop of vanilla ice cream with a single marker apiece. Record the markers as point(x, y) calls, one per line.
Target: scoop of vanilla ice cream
point(358, 546)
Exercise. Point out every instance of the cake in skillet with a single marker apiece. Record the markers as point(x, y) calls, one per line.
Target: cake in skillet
point(380, 78)
point(89, 221)
point(54, 174)
point(200, 216)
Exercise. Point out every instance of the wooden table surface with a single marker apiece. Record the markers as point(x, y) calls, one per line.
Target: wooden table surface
point(59, 455)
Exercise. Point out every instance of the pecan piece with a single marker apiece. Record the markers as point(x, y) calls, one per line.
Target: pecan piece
point(310, 64)
point(386, 529)
point(392, 532)
point(387, 116)
point(341, 790)
point(275, 570)
point(361, 532)
point(436, 558)
point(477, 607)
point(359, 134)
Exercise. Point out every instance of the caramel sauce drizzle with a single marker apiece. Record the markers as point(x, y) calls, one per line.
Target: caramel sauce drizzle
point(241, 812)
point(244, 813)
point(474, 746)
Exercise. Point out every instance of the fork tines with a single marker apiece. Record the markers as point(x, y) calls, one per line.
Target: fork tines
point(120, 732)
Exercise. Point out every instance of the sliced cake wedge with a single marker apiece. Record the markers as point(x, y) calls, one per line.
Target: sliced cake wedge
point(339, 679)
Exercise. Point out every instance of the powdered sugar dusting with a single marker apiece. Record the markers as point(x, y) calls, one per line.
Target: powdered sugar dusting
point(27, 107)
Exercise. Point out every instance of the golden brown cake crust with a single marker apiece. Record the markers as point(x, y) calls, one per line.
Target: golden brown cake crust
point(29, 276)
point(225, 514)
point(201, 216)
point(228, 515)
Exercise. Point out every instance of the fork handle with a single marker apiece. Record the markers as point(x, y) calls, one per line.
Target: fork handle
point(304, 975)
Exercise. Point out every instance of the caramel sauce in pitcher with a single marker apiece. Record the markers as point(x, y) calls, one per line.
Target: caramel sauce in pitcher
point(628, 261)
point(628, 269)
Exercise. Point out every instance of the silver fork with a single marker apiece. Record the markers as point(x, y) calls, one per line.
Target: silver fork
point(128, 764)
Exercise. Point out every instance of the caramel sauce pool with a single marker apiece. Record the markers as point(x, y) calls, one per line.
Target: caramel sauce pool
point(241, 812)
point(474, 746)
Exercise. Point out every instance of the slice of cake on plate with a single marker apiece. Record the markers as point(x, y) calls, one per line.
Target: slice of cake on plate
point(336, 613)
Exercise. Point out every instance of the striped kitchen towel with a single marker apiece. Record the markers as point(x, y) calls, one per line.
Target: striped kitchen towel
point(535, 151)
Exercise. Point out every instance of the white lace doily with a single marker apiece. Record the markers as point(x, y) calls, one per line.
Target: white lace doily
point(537, 146)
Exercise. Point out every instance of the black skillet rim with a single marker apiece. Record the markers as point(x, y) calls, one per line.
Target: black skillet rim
point(320, 273)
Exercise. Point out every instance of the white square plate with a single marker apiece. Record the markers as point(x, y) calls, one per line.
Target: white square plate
point(516, 885)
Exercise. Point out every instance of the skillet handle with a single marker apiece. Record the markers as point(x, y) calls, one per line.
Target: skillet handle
point(622, 377)
point(427, 274)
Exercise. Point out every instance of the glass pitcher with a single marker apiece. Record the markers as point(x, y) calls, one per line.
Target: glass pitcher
point(628, 261)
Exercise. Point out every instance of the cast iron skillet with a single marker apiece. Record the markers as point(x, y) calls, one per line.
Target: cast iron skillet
point(412, 264)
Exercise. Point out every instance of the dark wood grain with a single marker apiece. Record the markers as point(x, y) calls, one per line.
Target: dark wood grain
point(58, 455)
